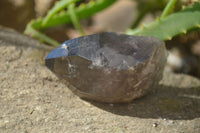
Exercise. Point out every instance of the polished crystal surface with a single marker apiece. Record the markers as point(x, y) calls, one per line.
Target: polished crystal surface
point(109, 67)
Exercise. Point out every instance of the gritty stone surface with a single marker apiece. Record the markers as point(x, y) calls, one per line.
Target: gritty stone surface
point(33, 100)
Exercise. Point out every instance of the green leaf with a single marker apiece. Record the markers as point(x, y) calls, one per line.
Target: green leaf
point(172, 25)
point(58, 7)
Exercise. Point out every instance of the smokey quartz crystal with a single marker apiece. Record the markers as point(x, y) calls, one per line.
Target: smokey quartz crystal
point(109, 67)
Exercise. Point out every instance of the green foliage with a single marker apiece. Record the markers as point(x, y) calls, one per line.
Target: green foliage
point(58, 7)
point(164, 28)
point(169, 6)
point(64, 17)
point(74, 19)
point(172, 25)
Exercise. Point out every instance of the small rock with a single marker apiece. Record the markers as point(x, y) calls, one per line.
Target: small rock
point(109, 67)
point(155, 125)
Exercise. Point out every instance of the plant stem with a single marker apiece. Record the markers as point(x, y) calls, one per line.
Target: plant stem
point(60, 5)
point(74, 19)
point(168, 8)
point(81, 12)
point(34, 33)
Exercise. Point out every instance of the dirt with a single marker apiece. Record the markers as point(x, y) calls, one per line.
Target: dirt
point(33, 100)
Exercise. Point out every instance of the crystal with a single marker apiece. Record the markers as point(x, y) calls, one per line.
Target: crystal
point(109, 67)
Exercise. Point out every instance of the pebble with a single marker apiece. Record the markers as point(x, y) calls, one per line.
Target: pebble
point(155, 125)
point(6, 121)
point(25, 64)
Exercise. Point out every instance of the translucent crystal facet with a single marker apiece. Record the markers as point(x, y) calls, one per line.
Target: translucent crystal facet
point(109, 67)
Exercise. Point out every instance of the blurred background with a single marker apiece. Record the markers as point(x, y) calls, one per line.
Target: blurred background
point(184, 50)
